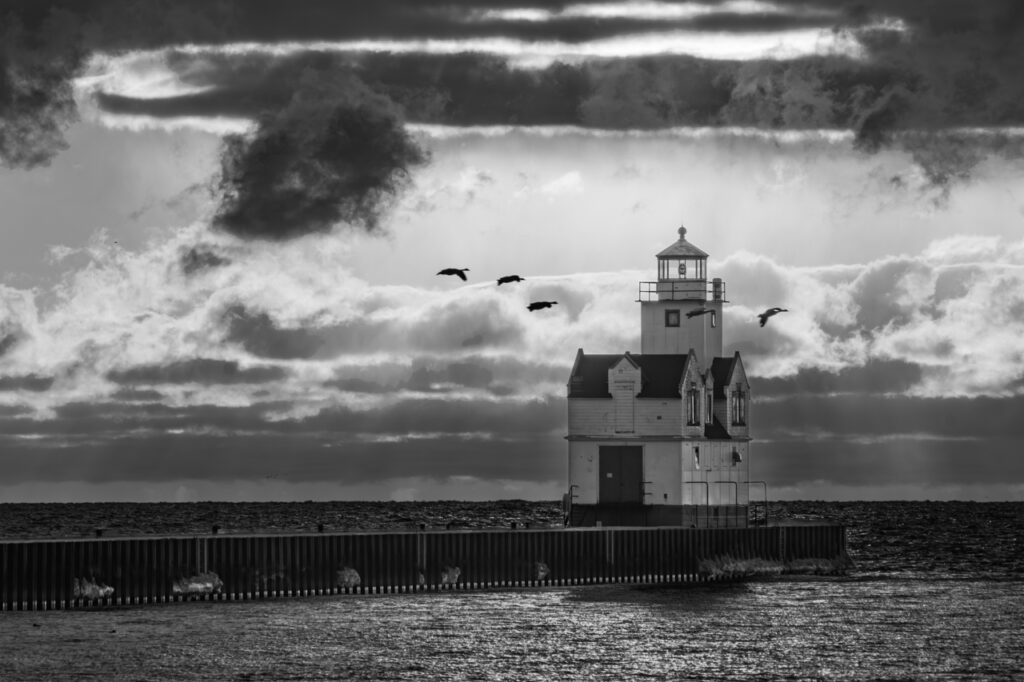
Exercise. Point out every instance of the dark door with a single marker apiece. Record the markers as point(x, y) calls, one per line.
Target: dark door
point(621, 471)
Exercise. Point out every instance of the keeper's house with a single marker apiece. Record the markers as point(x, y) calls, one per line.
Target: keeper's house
point(662, 437)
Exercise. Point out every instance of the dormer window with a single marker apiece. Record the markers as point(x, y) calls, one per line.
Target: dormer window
point(693, 405)
point(739, 407)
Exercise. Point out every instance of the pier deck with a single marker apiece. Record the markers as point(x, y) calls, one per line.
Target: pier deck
point(116, 571)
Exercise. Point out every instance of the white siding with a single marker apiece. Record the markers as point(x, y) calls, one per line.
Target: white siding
point(662, 470)
point(725, 483)
point(583, 470)
point(696, 332)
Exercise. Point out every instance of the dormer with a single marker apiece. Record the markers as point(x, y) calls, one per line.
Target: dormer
point(691, 390)
point(732, 395)
point(624, 382)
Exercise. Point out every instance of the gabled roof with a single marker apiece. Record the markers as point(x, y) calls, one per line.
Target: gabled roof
point(716, 431)
point(682, 248)
point(722, 370)
point(660, 374)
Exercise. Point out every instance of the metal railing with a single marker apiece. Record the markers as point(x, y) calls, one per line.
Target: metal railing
point(682, 290)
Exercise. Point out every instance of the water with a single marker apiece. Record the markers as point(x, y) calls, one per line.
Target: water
point(936, 595)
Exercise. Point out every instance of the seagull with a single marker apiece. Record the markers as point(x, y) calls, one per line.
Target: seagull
point(537, 305)
point(509, 278)
point(460, 272)
point(768, 313)
point(699, 311)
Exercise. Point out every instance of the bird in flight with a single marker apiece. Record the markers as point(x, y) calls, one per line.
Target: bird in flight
point(509, 278)
point(538, 305)
point(699, 311)
point(768, 313)
point(459, 272)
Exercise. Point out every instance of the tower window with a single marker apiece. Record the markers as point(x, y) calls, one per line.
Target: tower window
point(671, 318)
point(714, 319)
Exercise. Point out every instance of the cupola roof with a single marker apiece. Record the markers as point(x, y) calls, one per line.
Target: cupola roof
point(682, 248)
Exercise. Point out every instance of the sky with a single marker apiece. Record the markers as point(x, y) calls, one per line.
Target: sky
point(222, 222)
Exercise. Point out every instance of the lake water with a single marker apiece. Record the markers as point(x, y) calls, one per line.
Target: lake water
point(937, 594)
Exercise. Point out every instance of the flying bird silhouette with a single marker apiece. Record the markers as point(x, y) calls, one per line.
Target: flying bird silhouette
point(460, 272)
point(768, 313)
point(537, 305)
point(699, 311)
point(509, 278)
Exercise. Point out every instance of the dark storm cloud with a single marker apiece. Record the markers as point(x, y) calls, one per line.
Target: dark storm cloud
point(8, 341)
point(197, 259)
point(451, 328)
point(337, 153)
point(152, 23)
point(260, 336)
point(129, 393)
point(846, 416)
point(199, 370)
point(877, 376)
point(293, 458)
point(27, 382)
point(500, 376)
point(43, 46)
point(40, 52)
point(112, 420)
point(877, 465)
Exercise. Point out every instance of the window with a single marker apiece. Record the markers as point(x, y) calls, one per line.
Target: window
point(671, 318)
point(693, 406)
point(739, 407)
point(714, 319)
point(696, 457)
point(710, 409)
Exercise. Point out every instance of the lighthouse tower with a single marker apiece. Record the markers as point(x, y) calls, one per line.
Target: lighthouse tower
point(662, 437)
point(680, 311)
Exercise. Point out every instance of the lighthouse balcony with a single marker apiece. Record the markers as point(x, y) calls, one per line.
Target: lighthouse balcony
point(682, 290)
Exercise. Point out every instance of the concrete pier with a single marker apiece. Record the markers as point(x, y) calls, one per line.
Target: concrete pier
point(112, 571)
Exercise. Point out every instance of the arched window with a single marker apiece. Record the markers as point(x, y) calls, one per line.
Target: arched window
point(739, 407)
point(693, 405)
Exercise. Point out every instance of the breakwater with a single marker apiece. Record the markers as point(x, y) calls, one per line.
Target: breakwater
point(94, 572)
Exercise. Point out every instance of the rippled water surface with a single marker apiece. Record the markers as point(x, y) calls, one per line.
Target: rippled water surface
point(937, 594)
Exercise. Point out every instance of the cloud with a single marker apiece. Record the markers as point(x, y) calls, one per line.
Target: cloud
point(954, 312)
point(336, 154)
point(197, 258)
point(28, 382)
point(198, 370)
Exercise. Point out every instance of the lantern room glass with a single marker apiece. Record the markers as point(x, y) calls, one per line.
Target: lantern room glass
point(682, 268)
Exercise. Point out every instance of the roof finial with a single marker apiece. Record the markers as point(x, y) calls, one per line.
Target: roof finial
point(682, 232)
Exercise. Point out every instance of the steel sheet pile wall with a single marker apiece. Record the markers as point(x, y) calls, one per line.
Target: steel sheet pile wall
point(58, 574)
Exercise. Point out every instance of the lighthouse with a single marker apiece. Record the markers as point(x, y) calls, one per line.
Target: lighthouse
point(662, 437)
